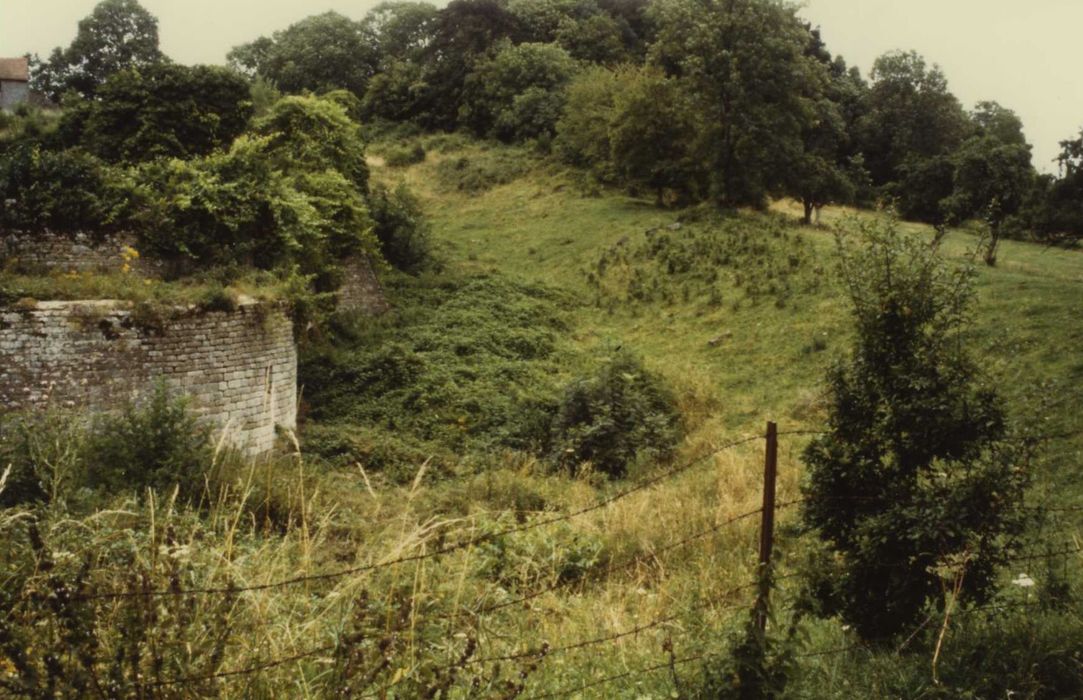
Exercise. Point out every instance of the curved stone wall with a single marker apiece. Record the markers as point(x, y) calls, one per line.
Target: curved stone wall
point(238, 367)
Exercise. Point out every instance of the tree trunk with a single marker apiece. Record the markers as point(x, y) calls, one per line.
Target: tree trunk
point(941, 231)
point(807, 221)
point(994, 240)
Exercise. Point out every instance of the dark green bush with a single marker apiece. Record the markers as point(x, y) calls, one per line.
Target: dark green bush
point(161, 110)
point(614, 416)
point(401, 228)
point(466, 367)
point(917, 485)
point(60, 190)
point(159, 446)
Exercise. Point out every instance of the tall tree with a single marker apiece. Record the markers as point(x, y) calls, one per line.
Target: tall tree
point(992, 179)
point(743, 64)
point(319, 53)
point(117, 35)
point(911, 116)
point(400, 30)
point(824, 171)
point(1057, 205)
point(518, 93)
point(465, 32)
point(164, 110)
point(993, 120)
point(651, 136)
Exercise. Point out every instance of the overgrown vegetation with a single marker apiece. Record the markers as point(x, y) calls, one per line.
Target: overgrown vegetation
point(539, 472)
point(157, 446)
point(703, 262)
point(465, 365)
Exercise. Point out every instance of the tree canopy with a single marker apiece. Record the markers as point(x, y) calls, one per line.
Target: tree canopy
point(161, 110)
point(117, 35)
point(319, 53)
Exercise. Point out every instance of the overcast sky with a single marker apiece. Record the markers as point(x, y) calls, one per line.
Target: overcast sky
point(1025, 54)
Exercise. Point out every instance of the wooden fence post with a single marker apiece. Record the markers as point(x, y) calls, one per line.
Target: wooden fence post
point(767, 523)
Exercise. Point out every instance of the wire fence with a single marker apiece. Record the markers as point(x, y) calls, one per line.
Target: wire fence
point(720, 601)
point(438, 552)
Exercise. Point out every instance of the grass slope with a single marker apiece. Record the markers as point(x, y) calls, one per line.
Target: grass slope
point(744, 339)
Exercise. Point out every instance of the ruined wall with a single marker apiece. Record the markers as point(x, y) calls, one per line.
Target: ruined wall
point(361, 290)
point(78, 252)
point(239, 367)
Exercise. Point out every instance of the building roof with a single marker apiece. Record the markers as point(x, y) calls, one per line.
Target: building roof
point(15, 69)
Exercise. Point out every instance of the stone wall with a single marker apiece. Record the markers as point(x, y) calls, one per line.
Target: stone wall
point(361, 290)
point(79, 252)
point(239, 367)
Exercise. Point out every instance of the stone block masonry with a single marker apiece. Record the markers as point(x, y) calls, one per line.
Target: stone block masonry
point(111, 252)
point(238, 367)
point(361, 290)
point(76, 252)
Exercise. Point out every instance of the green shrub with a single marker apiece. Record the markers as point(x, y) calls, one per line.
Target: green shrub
point(158, 446)
point(218, 298)
point(401, 156)
point(614, 416)
point(60, 191)
point(917, 486)
point(401, 228)
point(239, 208)
point(292, 194)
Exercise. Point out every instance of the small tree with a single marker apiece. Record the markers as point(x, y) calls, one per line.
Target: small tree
point(915, 479)
point(992, 179)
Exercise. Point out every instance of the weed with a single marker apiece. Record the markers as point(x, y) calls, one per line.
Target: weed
point(159, 445)
point(483, 170)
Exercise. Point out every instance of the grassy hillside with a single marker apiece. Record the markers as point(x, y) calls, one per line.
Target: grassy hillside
point(540, 284)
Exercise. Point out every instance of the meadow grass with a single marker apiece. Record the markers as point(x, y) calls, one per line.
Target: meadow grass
point(733, 364)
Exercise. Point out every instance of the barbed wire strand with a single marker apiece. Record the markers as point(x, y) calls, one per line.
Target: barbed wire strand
point(610, 679)
point(310, 578)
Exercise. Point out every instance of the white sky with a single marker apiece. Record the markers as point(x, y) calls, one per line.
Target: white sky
point(1025, 54)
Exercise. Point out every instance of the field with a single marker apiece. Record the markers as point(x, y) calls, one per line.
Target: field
point(455, 563)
